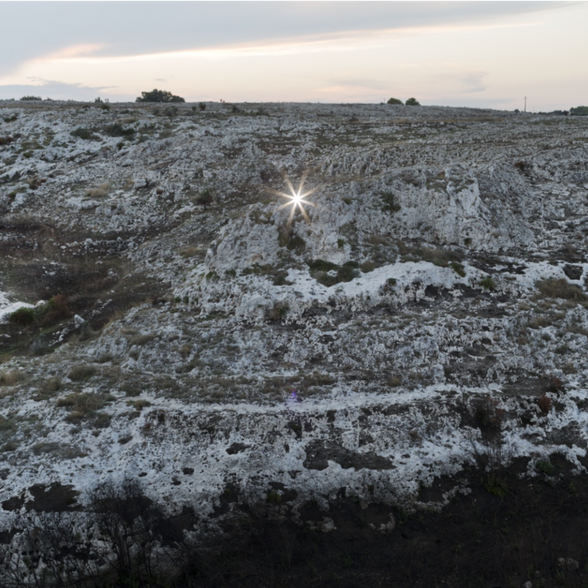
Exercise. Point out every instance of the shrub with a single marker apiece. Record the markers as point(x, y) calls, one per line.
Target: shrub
point(201, 106)
point(390, 203)
point(320, 265)
point(560, 288)
point(458, 268)
point(81, 404)
point(347, 272)
point(31, 98)
point(159, 96)
point(368, 266)
point(555, 384)
point(438, 257)
point(56, 309)
point(83, 133)
point(81, 372)
point(388, 287)
point(488, 417)
point(394, 101)
point(117, 130)
point(50, 386)
point(296, 243)
point(204, 198)
point(545, 403)
point(545, 466)
point(281, 279)
point(23, 316)
point(487, 283)
point(323, 270)
point(412, 102)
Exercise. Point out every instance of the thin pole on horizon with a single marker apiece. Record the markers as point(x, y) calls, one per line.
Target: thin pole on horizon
point(525, 104)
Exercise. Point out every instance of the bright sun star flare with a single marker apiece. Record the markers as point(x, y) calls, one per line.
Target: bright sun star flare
point(296, 199)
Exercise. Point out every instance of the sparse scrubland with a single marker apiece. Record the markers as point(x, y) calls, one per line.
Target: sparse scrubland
point(196, 391)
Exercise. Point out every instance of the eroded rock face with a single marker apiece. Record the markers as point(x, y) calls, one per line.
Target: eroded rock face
point(188, 334)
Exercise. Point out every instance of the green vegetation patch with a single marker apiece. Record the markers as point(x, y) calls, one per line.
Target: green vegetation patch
point(438, 257)
point(84, 133)
point(118, 130)
point(487, 283)
point(390, 203)
point(43, 315)
point(328, 273)
point(579, 111)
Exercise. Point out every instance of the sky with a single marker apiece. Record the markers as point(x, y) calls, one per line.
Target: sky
point(478, 54)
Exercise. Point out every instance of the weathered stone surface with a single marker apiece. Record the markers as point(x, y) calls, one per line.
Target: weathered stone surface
point(202, 342)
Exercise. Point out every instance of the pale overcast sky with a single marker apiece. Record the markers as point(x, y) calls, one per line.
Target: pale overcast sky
point(483, 54)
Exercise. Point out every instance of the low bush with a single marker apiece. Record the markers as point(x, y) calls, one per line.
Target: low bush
point(118, 130)
point(412, 102)
point(487, 283)
point(81, 372)
point(545, 467)
point(328, 273)
point(23, 316)
point(296, 243)
point(161, 96)
point(458, 268)
point(438, 257)
point(394, 101)
point(42, 315)
point(347, 272)
point(488, 417)
point(545, 403)
point(320, 265)
point(83, 133)
point(204, 198)
point(50, 385)
point(390, 202)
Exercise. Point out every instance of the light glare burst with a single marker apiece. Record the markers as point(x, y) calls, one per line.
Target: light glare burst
point(296, 198)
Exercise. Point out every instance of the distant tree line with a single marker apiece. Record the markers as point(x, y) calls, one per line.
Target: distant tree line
point(579, 111)
point(409, 102)
point(576, 111)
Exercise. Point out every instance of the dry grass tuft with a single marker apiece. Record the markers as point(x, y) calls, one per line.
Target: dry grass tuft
point(99, 192)
point(560, 288)
point(142, 339)
point(81, 372)
point(11, 378)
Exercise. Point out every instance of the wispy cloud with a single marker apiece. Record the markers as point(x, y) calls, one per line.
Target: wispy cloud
point(51, 89)
point(338, 41)
point(473, 81)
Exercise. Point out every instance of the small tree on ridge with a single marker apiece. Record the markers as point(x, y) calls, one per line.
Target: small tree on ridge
point(159, 96)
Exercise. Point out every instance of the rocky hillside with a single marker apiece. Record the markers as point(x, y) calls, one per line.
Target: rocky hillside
point(162, 319)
